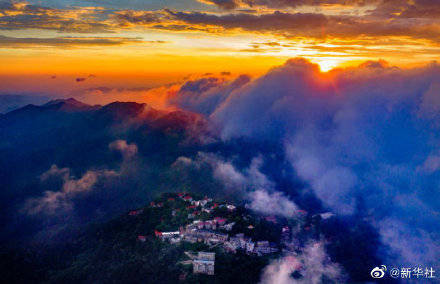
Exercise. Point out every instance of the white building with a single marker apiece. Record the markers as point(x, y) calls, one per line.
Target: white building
point(204, 263)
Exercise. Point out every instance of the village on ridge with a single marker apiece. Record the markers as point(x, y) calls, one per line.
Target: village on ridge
point(200, 226)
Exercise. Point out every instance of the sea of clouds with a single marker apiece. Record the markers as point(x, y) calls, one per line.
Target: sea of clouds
point(364, 140)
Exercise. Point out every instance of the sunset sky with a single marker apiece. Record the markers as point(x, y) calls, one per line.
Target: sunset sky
point(44, 44)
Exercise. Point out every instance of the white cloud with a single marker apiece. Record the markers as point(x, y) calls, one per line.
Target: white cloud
point(412, 246)
point(127, 150)
point(431, 164)
point(312, 265)
point(253, 185)
point(272, 203)
point(53, 202)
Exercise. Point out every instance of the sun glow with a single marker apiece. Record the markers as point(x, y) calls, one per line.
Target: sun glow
point(328, 64)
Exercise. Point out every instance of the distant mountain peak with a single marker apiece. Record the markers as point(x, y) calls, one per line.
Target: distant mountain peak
point(69, 101)
point(69, 104)
point(124, 109)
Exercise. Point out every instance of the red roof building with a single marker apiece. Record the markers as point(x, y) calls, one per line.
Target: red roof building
point(220, 220)
point(182, 277)
point(135, 212)
point(142, 238)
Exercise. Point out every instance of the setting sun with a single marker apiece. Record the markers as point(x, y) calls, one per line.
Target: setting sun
point(328, 64)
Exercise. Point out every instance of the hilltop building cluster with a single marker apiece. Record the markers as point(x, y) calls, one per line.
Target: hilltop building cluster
point(214, 232)
point(225, 226)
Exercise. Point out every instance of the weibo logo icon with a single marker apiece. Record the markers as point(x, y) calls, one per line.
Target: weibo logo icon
point(378, 272)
